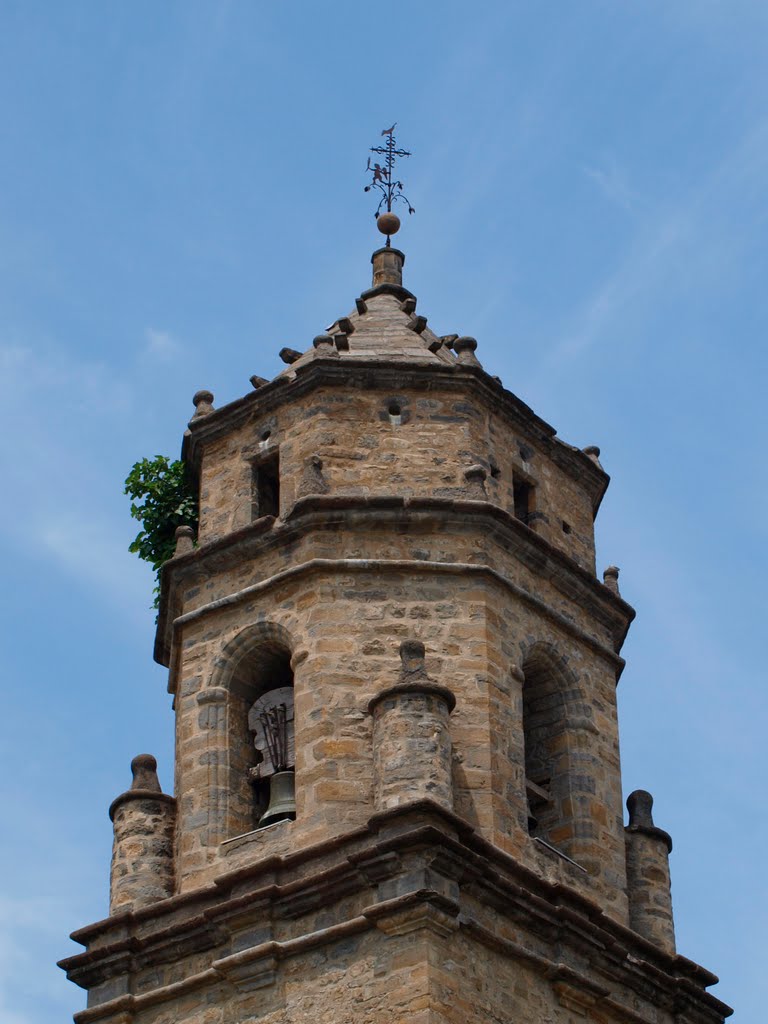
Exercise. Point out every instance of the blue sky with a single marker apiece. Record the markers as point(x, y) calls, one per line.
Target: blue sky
point(181, 195)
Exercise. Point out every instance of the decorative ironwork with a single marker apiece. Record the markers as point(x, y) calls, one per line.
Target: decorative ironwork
point(274, 722)
point(383, 175)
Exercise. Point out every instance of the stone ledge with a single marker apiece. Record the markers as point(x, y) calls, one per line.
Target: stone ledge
point(319, 511)
point(555, 913)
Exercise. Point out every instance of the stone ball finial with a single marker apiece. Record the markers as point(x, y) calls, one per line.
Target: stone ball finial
point(203, 403)
point(388, 223)
point(640, 807)
point(185, 540)
point(464, 348)
point(611, 578)
point(593, 454)
point(144, 770)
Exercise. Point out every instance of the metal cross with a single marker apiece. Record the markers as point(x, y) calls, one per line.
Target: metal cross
point(383, 173)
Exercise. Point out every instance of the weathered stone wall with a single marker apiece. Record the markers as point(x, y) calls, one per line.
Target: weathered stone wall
point(464, 533)
point(426, 513)
point(423, 451)
point(344, 629)
point(142, 856)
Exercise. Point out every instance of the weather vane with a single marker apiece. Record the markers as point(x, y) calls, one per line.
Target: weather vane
point(384, 180)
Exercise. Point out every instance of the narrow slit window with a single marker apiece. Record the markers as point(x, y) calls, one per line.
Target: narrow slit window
point(523, 493)
point(266, 487)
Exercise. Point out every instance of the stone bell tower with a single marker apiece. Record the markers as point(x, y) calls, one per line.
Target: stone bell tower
point(397, 785)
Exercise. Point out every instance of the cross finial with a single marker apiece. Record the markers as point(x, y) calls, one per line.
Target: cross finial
point(385, 182)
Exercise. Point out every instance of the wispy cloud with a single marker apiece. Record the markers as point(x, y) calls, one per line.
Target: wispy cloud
point(161, 345)
point(679, 238)
point(40, 379)
point(612, 182)
point(644, 267)
point(92, 552)
point(61, 407)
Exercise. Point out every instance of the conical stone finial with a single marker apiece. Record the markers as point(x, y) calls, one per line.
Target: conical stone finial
point(144, 771)
point(640, 807)
point(185, 541)
point(611, 579)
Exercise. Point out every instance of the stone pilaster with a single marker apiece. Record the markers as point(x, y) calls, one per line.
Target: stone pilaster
point(411, 736)
point(213, 723)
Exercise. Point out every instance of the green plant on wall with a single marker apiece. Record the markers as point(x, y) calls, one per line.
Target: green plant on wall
point(162, 498)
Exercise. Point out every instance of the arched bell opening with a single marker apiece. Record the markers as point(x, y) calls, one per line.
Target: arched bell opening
point(549, 691)
point(260, 733)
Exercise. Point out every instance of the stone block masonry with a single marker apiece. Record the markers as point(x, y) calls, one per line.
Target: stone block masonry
point(395, 561)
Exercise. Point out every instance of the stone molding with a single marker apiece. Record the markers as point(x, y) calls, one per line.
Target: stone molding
point(139, 794)
point(415, 686)
point(380, 855)
point(572, 580)
point(398, 565)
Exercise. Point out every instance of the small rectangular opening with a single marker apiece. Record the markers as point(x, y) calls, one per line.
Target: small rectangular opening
point(266, 487)
point(522, 493)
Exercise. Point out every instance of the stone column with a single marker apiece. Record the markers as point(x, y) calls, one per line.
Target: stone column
point(411, 736)
point(144, 819)
point(648, 885)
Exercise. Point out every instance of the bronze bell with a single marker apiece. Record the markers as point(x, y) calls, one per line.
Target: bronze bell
point(282, 799)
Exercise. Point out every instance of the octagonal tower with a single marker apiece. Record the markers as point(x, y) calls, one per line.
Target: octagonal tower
point(397, 780)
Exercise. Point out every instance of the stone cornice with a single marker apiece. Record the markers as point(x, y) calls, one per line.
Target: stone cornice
point(547, 916)
point(369, 374)
point(139, 794)
point(321, 511)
